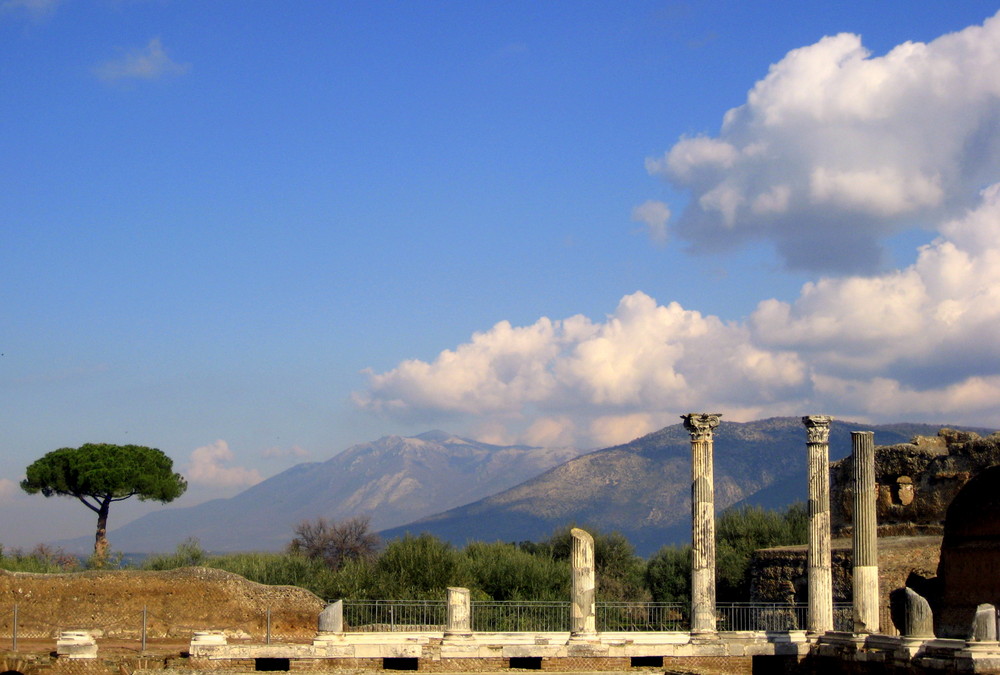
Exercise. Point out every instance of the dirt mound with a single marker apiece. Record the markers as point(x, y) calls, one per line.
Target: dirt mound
point(172, 604)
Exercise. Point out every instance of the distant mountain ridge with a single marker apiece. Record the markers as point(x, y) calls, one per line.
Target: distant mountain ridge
point(642, 488)
point(393, 480)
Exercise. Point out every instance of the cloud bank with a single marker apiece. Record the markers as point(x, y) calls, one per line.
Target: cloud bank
point(916, 343)
point(835, 149)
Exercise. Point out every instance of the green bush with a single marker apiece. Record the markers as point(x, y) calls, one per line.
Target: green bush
point(740, 532)
point(505, 572)
point(668, 574)
point(420, 567)
point(41, 559)
point(188, 553)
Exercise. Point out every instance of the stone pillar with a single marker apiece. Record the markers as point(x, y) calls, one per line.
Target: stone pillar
point(866, 602)
point(984, 624)
point(820, 575)
point(918, 619)
point(459, 613)
point(331, 619)
point(583, 611)
point(700, 426)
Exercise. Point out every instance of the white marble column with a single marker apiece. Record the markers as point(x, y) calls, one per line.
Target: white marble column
point(700, 426)
point(459, 613)
point(866, 602)
point(820, 576)
point(583, 612)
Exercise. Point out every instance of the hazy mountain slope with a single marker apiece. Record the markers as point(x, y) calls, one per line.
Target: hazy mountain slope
point(393, 480)
point(642, 488)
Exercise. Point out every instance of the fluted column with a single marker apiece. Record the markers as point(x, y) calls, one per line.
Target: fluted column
point(820, 576)
point(866, 604)
point(700, 426)
point(583, 611)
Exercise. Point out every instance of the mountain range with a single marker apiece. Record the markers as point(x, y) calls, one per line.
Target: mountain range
point(393, 480)
point(462, 490)
point(643, 488)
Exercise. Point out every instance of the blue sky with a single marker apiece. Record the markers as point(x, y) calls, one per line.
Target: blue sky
point(253, 234)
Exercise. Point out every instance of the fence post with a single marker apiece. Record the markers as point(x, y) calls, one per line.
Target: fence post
point(144, 629)
point(14, 631)
point(268, 638)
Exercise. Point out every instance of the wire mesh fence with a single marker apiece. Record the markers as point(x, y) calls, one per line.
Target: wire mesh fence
point(24, 621)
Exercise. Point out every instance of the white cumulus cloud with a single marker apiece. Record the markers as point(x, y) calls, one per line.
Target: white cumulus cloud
point(836, 148)
point(148, 63)
point(916, 343)
point(209, 465)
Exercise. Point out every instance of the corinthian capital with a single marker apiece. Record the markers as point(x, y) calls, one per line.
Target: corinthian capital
point(817, 428)
point(700, 425)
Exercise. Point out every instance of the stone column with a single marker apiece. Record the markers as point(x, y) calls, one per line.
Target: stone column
point(700, 426)
point(820, 616)
point(866, 602)
point(331, 619)
point(583, 611)
point(459, 613)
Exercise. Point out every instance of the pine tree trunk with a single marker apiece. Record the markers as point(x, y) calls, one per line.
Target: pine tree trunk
point(101, 540)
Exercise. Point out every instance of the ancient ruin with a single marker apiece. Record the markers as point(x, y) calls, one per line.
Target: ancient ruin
point(700, 426)
point(947, 622)
point(820, 581)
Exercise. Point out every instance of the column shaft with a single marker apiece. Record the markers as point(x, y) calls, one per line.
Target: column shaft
point(866, 602)
point(459, 612)
point(820, 575)
point(700, 426)
point(583, 611)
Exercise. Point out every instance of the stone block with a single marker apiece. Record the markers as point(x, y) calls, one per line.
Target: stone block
point(76, 644)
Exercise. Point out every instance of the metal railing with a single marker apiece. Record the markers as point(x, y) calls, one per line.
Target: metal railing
point(27, 622)
point(643, 616)
point(495, 616)
point(489, 616)
point(377, 616)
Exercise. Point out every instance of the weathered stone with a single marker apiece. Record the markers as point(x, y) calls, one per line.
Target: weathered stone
point(331, 619)
point(583, 612)
point(984, 624)
point(76, 644)
point(918, 620)
point(459, 613)
point(700, 426)
point(820, 578)
point(970, 555)
point(915, 482)
point(865, 577)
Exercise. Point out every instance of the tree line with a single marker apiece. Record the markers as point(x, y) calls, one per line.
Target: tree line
point(345, 560)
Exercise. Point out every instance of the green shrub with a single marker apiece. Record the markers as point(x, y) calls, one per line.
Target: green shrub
point(505, 572)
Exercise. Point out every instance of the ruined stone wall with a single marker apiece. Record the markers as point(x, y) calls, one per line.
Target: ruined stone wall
point(916, 481)
point(177, 601)
point(779, 574)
